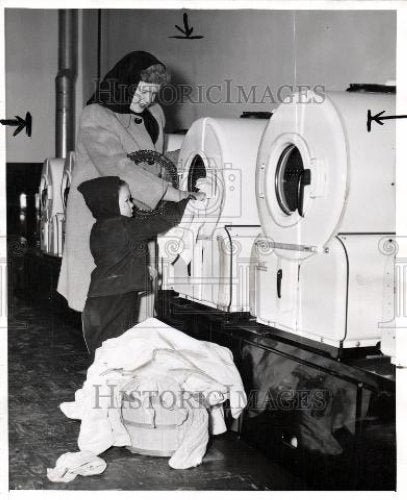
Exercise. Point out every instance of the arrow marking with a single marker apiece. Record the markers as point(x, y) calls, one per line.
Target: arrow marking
point(20, 124)
point(186, 31)
point(378, 118)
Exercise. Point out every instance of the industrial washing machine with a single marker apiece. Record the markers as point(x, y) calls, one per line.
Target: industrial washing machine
point(206, 258)
point(325, 191)
point(51, 206)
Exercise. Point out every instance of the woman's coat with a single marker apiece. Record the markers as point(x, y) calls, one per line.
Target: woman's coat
point(104, 139)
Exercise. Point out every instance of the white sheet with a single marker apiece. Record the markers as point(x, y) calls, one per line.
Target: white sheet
point(151, 348)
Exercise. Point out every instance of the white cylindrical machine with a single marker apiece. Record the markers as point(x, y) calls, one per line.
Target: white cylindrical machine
point(219, 157)
point(320, 172)
point(51, 206)
point(223, 151)
point(325, 190)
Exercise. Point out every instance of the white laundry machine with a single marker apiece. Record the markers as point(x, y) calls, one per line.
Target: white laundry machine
point(218, 156)
point(325, 191)
point(51, 206)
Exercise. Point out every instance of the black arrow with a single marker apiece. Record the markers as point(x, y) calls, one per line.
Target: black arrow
point(187, 31)
point(378, 118)
point(20, 123)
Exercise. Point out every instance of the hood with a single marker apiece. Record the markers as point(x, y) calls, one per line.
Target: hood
point(117, 88)
point(102, 196)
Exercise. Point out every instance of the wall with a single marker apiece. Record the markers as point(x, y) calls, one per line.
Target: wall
point(266, 49)
point(89, 55)
point(258, 50)
point(337, 48)
point(31, 67)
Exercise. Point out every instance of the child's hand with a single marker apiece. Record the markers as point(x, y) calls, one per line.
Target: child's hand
point(199, 196)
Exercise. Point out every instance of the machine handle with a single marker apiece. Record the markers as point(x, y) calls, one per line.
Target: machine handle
point(279, 278)
point(304, 179)
point(261, 180)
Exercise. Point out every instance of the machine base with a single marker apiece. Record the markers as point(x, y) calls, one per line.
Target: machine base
point(327, 417)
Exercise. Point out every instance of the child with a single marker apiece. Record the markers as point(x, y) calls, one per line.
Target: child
point(118, 243)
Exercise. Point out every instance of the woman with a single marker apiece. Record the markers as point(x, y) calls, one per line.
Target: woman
point(121, 117)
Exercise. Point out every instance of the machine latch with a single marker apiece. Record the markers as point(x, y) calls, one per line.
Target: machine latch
point(279, 279)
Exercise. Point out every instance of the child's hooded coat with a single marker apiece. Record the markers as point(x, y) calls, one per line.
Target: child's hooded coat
point(119, 244)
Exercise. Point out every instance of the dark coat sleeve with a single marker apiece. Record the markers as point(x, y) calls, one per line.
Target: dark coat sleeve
point(145, 225)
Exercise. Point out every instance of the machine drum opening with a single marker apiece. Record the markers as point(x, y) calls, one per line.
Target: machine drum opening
point(289, 174)
point(196, 171)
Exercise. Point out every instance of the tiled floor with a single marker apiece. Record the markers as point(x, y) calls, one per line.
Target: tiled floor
point(47, 363)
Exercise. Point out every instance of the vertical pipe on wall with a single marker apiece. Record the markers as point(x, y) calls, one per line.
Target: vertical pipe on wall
point(65, 82)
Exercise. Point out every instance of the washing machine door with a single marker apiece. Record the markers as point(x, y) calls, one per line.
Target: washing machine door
point(319, 170)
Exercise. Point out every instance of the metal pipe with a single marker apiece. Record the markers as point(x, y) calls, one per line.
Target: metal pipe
point(65, 82)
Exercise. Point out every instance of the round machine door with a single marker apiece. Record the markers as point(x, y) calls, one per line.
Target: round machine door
point(320, 171)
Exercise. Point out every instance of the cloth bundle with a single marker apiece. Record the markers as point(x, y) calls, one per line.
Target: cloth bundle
point(70, 465)
point(150, 351)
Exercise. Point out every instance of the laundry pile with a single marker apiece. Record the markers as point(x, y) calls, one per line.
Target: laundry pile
point(155, 390)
